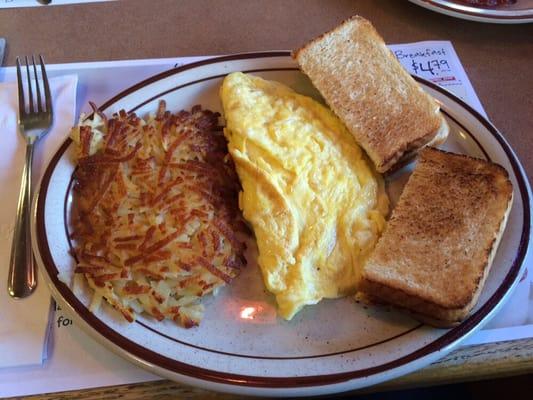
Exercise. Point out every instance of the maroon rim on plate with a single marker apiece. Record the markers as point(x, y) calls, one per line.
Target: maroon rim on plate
point(258, 357)
point(156, 359)
point(481, 12)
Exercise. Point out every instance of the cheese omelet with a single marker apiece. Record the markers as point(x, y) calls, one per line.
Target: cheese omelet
point(316, 206)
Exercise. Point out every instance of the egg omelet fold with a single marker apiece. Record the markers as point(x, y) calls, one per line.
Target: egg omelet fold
point(316, 206)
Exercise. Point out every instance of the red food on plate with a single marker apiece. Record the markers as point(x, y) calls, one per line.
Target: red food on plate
point(488, 3)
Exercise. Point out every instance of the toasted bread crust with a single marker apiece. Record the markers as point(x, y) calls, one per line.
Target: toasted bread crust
point(381, 104)
point(407, 157)
point(438, 247)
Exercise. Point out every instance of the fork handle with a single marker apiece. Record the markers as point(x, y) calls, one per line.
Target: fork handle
point(22, 278)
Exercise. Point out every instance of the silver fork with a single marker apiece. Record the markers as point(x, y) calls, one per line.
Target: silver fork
point(34, 121)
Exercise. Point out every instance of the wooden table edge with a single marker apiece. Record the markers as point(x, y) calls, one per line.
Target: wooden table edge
point(477, 362)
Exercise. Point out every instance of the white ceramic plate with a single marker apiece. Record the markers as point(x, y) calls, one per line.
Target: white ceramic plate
point(334, 346)
point(520, 12)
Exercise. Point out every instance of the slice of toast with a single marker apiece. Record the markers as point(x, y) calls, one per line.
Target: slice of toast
point(437, 249)
point(385, 109)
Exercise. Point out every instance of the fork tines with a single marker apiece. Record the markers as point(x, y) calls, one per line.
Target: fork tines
point(33, 103)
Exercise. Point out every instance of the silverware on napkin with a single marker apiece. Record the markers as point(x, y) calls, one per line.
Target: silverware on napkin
point(34, 121)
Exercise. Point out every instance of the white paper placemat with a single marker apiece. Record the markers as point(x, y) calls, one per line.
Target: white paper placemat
point(95, 366)
point(24, 322)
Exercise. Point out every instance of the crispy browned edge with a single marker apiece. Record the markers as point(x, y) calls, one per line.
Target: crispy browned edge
point(319, 37)
point(426, 311)
point(403, 154)
point(407, 157)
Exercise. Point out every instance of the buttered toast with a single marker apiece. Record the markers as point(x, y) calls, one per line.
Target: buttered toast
point(437, 249)
point(388, 113)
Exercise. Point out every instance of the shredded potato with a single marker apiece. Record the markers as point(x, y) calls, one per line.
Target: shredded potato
point(155, 214)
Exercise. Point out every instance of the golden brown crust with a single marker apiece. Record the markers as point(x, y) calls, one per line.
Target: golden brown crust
point(441, 318)
point(155, 212)
point(363, 83)
point(436, 251)
point(407, 157)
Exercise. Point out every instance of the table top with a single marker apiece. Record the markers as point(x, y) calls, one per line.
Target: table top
point(497, 58)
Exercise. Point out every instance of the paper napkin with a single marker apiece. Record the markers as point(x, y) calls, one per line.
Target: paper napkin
point(24, 322)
